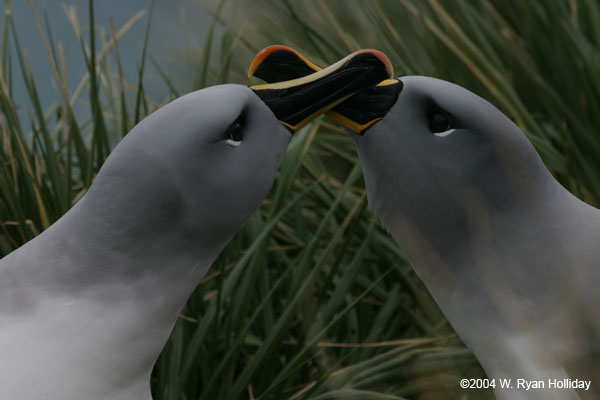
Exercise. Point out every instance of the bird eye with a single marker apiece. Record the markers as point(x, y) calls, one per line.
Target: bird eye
point(234, 134)
point(438, 122)
point(440, 125)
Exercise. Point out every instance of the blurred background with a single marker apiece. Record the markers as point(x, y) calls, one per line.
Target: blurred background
point(312, 299)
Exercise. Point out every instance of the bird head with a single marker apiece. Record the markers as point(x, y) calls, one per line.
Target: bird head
point(441, 152)
point(431, 151)
point(206, 160)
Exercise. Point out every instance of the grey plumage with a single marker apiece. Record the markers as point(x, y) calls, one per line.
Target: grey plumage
point(86, 307)
point(511, 257)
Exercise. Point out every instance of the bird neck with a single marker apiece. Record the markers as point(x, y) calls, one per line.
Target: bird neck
point(93, 287)
point(503, 271)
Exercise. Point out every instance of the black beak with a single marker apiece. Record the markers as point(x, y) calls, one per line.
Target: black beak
point(311, 92)
point(359, 112)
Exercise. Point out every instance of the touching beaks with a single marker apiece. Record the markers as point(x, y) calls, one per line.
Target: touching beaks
point(358, 112)
point(299, 91)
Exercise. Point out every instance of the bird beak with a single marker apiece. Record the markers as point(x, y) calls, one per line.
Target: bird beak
point(301, 97)
point(357, 113)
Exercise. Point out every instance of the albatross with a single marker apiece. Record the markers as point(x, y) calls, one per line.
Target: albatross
point(87, 306)
point(511, 257)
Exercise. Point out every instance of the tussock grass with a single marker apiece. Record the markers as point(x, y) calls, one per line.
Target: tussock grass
point(312, 299)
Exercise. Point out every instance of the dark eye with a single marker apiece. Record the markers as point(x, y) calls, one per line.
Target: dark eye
point(438, 122)
point(235, 133)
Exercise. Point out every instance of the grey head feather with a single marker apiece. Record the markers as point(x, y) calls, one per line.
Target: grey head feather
point(510, 256)
point(86, 307)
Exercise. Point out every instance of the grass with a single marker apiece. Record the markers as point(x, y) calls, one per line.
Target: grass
point(312, 298)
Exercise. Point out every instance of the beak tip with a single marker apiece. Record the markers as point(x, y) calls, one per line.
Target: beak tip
point(262, 55)
point(386, 61)
point(381, 57)
point(254, 65)
point(258, 59)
